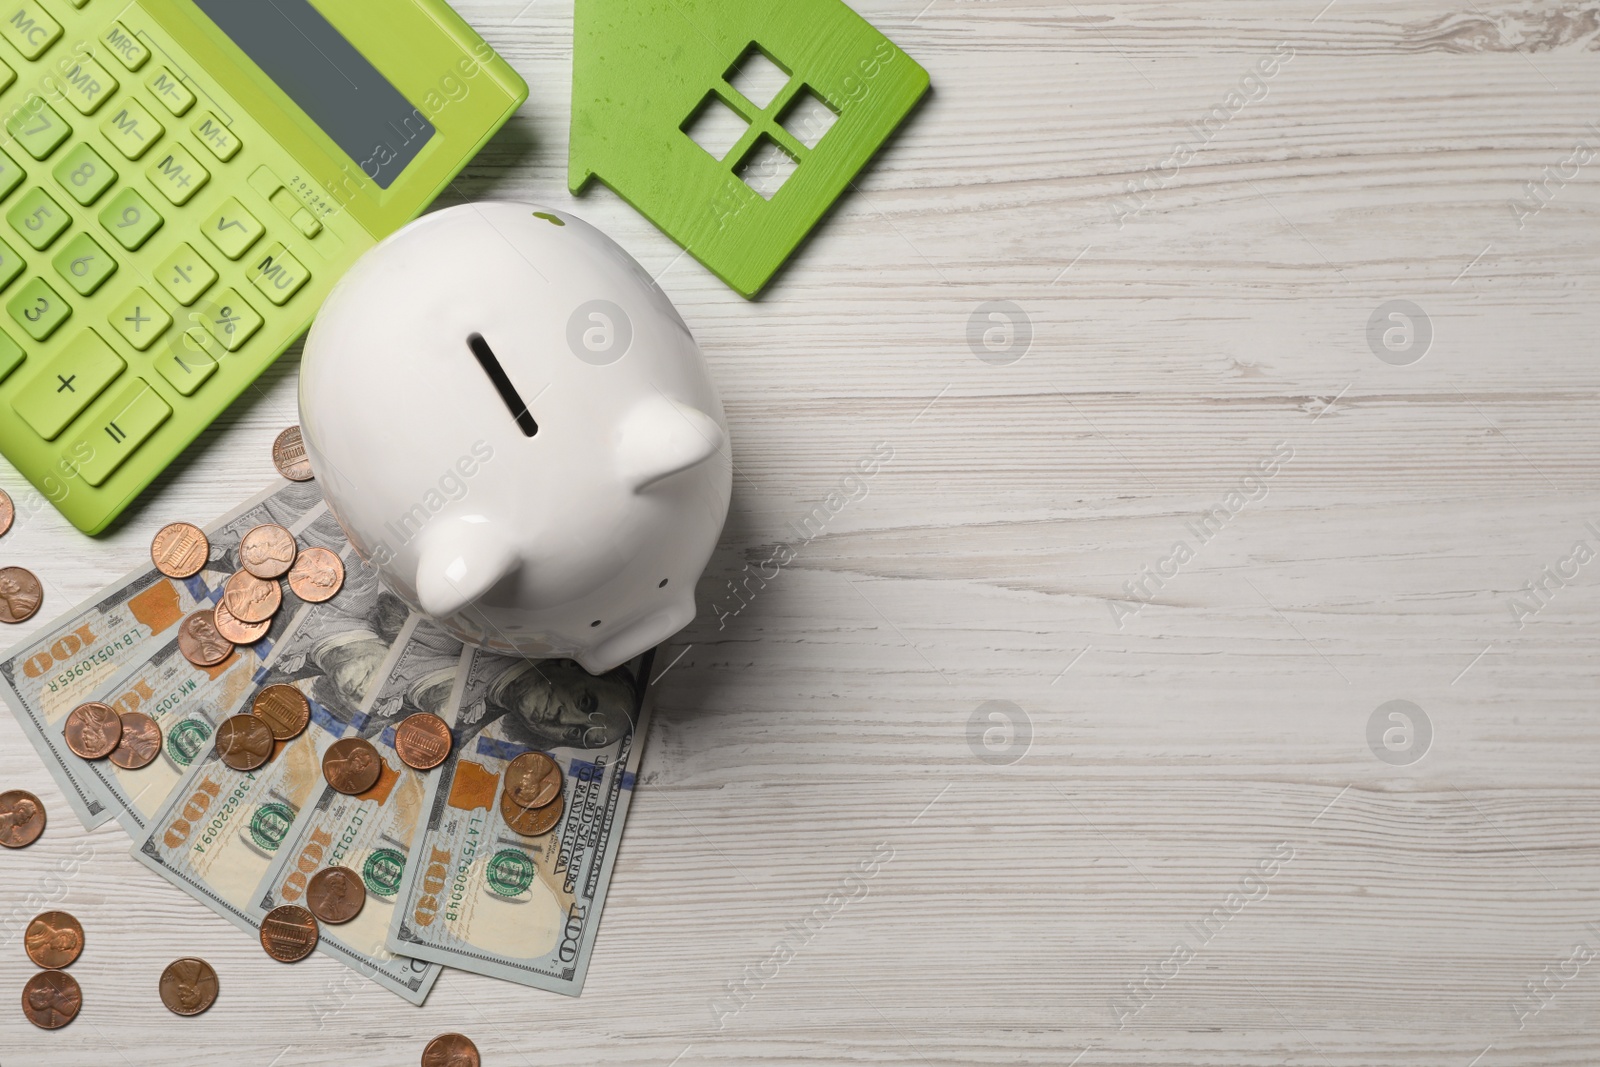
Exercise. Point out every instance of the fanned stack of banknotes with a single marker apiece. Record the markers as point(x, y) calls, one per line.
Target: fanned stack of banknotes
point(448, 882)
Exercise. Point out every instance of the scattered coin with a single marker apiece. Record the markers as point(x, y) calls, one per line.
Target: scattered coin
point(188, 986)
point(422, 740)
point(93, 730)
point(51, 999)
point(8, 512)
point(450, 1050)
point(352, 766)
point(251, 599)
point(531, 822)
point(289, 456)
point(20, 595)
point(316, 576)
point(231, 629)
point(268, 551)
point(244, 742)
point(200, 641)
point(284, 709)
point(140, 744)
point(532, 780)
point(335, 895)
point(289, 933)
point(21, 818)
point(180, 550)
point(54, 939)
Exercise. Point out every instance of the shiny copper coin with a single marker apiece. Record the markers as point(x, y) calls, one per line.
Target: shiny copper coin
point(422, 741)
point(140, 744)
point(51, 999)
point(284, 709)
point(8, 512)
point(531, 822)
point(21, 818)
point(54, 939)
point(252, 599)
point(450, 1050)
point(239, 633)
point(289, 933)
point(201, 642)
point(179, 550)
point(188, 986)
point(289, 456)
point(335, 895)
point(244, 742)
point(20, 595)
point(532, 780)
point(352, 766)
point(92, 730)
point(268, 551)
point(316, 576)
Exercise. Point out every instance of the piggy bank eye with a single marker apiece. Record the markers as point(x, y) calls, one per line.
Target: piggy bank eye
point(502, 384)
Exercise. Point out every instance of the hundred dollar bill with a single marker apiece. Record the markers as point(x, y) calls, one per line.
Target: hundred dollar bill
point(372, 833)
point(221, 829)
point(481, 897)
point(83, 652)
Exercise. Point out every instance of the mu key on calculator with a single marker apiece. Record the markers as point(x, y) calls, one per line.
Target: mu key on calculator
point(181, 183)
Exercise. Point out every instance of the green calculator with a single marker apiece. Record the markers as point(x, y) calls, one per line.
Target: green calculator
point(181, 183)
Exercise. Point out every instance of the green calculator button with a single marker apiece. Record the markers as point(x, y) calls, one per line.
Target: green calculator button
point(131, 128)
point(84, 175)
point(130, 219)
point(7, 76)
point(37, 128)
point(10, 175)
point(84, 264)
point(185, 275)
point(188, 362)
point(233, 229)
point(129, 50)
point(39, 309)
point(175, 96)
point(67, 384)
point(278, 275)
point(87, 83)
point(135, 412)
point(11, 356)
point(38, 218)
point(140, 320)
point(29, 28)
point(177, 174)
point(230, 320)
point(10, 265)
point(222, 142)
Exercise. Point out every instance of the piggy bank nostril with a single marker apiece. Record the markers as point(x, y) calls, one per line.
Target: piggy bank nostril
point(502, 384)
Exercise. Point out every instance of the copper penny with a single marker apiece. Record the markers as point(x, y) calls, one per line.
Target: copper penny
point(244, 742)
point(335, 895)
point(180, 550)
point(252, 599)
point(188, 986)
point(289, 933)
point(200, 641)
point(352, 766)
point(316, 576)
point(268, 551)
point(422, 740)
point(289, 456)
point(51, 999)
point(532, 780)
point(20, 595)
point(284, 709)
point(450, 1050)
point(231, 629)
point(140, 744)
point(531, 822)
point(8, 512)
point(54, 939)
point(93, 730)
point(21, 818)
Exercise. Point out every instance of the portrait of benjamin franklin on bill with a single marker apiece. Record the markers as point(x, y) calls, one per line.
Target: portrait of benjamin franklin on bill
point(554, 703)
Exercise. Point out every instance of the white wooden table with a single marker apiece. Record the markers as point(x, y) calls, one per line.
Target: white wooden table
point(1194, 771)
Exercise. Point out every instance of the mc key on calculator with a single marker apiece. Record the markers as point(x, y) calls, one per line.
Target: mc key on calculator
point(181, 183)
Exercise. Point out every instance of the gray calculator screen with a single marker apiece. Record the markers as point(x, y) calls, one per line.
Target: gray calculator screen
point(332, 82)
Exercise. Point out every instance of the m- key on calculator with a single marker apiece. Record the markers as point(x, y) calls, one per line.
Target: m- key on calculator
point(181, 183)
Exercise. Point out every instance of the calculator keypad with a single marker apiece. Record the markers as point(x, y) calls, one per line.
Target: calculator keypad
point(38, 128)
point(129, 50)
point(86, 83)
point(186, 365)
point(131, 129)
point(233, 229)
point(177, 174)
point(185, 275)
point(175, 96)
point(68, 384)
point(29, 29)
point(137, 411)
point(38, 218)
point(38, 309)
point(129, 218)
point(140, 320)
point(279, 275)
point(84, 264)
point(84, 174)
point(11, 356)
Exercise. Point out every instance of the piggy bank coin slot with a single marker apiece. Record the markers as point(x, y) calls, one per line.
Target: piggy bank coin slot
point(502, 384)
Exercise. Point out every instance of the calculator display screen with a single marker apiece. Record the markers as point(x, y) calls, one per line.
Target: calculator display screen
point(334, 84)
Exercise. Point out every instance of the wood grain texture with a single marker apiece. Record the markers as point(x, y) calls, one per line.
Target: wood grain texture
point(1171, 751)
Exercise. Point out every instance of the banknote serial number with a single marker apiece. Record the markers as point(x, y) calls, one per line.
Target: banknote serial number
point(83, 667)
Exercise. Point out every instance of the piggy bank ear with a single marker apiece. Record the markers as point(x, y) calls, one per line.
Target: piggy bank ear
point(661, 437)
point(461, 559)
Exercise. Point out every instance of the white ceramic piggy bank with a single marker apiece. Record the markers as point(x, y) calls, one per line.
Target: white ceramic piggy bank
point(515, 427)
